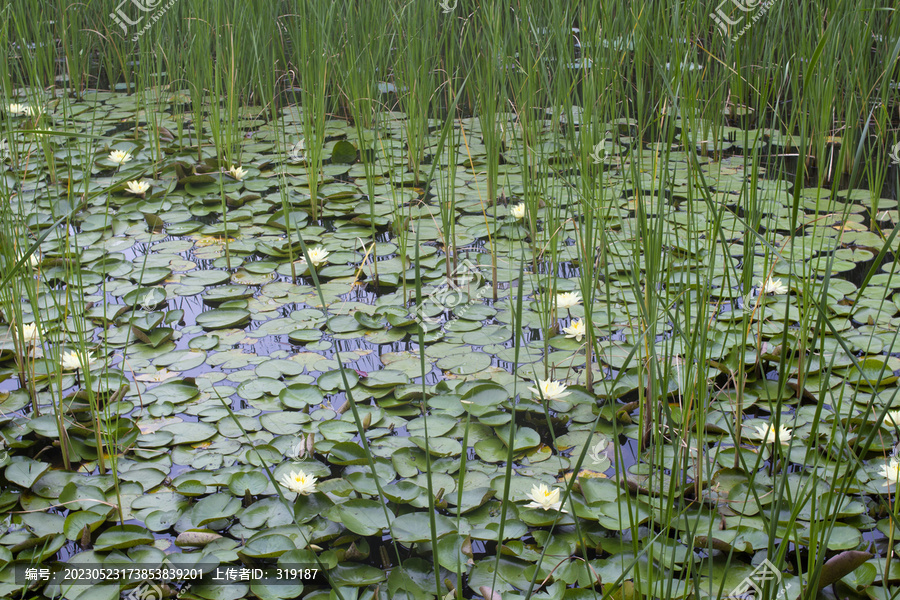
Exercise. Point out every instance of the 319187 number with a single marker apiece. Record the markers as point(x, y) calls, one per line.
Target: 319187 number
point(293, 574)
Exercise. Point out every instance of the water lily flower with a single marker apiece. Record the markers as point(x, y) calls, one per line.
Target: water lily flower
point(237, 172)
point(138, 188)
point(892, 417)
point(568, 299)
point(29, 333)
point(120, 157)
point(158, 377)
point(72, 360)
point(318, 256)
point(20, 109)
point(595, 452)
point(299, 482)
point(891, 471)
point(770, 435)
point(576, 330)
point(772, 286)
point(518, 211)
point(544, 497)
point(550, 390)
point(33, 260)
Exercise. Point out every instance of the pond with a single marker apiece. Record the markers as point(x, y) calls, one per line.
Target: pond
point(492, 354)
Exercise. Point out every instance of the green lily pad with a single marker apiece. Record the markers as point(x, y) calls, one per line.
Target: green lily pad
point(300, 395)
point(24, 471)
point(253, 481)
point(123, 536)
point(416, 527)
point(190, 433)
point(223, 318)
point(364, 517)
point(213, 508)
point(343, 152)
point(334, 380)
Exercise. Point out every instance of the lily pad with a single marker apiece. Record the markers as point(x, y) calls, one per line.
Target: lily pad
point(223, 318)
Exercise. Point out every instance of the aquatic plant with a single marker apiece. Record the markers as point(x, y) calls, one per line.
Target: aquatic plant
point(541, 299)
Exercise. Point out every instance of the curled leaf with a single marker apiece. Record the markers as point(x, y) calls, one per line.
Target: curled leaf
point(196, 538)
point(489, 593)
point(840, 565)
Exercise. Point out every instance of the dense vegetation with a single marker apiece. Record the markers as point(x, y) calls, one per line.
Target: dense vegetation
point(483, 299)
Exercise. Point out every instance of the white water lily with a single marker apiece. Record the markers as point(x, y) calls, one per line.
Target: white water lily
point(157, 377)
point(318, 256)
point(72, 360)
point(550, 390)
point(29, 333)
point(237, 172)
point(139, 188)
point(568, 299)
point(772, 286)
point(299, 482)
point(595, 453)
point(518, 211)
point(120, 157)
point(576, 330)
point(891, 471)
point(34, 260)
point(20, 109)
point(544, 497)
point(892, 417)
point(769, 435)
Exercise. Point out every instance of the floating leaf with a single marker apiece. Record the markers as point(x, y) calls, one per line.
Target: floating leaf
point(223, 318)
point(196, 538)
point(416, 527)
point(364, 517)
point(25, 471)
point(123, 536)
